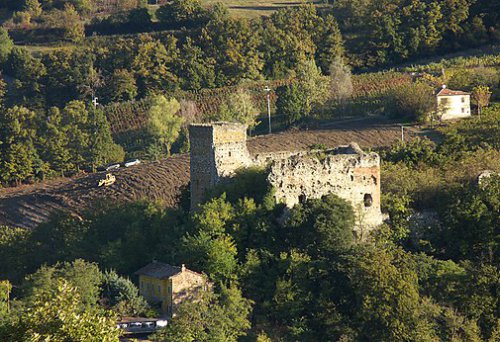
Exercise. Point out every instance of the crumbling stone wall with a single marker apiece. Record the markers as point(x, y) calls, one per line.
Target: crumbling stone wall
point(219, 149)
point(347, 172)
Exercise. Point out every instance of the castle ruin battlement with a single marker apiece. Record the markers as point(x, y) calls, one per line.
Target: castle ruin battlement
point(219, 149)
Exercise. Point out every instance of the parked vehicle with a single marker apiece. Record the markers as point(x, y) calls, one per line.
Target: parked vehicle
point(132, 162)
point(112, 167)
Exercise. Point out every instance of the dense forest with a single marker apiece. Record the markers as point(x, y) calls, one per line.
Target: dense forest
point(84, 83)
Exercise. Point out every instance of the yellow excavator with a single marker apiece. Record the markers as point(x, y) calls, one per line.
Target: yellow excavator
point(107, 181)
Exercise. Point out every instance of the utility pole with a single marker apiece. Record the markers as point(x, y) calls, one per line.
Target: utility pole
point(268, 90)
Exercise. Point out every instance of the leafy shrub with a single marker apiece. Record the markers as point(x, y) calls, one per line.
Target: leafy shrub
point(466, 79)
point(413, 101)
point(412, 152)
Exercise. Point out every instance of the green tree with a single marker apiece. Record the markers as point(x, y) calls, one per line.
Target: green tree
point(179, 13)
point(76, 120)
point(84, 277)
point(74, 28)
point(239, 107)
point(102, 149)
point(197, 70)
point(153, 66)
point(209, 247)
point(122, 296)
point(3, 90)
point(312, 83)
point(329, 42)
point(413, 101)
point(5, 289)
point(33, 7)
point(209, 317)
point(292, 103)
point(288, 36)
point(28, 73)
point(215, 255)
point(307, 93)
point(121, 86)
point(386, 284)
point(478, 298)
point(322, 226)
point(233, 45)
point(70, 74)
point(57, 314)
point(163, 122)
point(481, 95)
point(14, 251)
point(53, 147)
point(6, 45)
point(17, 150)
point(470, 219)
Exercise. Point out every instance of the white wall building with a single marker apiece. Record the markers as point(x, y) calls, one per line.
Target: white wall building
point(453, 104)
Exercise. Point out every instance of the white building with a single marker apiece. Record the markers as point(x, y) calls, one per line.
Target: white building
point(453, 104)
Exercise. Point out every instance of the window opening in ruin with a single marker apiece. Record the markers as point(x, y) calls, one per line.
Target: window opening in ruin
point(374, 180)
point(230, 153)
point(368, 200)
point(352, 178)
point(302, 199)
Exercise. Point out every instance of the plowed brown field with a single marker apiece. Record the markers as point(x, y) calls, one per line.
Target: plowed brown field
point(28, 205)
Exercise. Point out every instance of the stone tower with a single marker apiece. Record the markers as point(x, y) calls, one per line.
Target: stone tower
point(217, 151)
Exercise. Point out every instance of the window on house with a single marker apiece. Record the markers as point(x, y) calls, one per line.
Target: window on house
point(463, 99)
point(463, 110)
point(368, 200)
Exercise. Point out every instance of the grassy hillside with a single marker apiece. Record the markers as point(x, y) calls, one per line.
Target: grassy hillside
point(255, 8)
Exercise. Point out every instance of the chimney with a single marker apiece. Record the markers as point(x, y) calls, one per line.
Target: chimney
point(183, 268)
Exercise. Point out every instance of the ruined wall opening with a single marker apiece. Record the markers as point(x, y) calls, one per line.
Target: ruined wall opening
point(302, 199)
point(368, 200)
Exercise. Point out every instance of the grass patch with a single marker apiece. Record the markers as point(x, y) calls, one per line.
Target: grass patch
point(255, 8)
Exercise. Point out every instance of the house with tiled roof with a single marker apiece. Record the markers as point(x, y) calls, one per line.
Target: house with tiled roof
point(168, 286)
point(453, 104)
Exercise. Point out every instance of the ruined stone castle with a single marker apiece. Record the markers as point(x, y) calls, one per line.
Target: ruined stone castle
point(219, 149)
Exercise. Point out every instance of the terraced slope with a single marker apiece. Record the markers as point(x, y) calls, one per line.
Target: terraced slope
point(28, 205)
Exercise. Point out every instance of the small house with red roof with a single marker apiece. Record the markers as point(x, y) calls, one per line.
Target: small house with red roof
point(169, 286)
point(453, 104)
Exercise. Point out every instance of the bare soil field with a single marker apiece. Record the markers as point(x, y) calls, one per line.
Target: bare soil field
point(29, 205)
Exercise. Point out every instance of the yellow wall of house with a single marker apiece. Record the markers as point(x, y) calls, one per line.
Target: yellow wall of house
point(156, 290)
